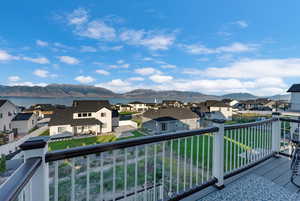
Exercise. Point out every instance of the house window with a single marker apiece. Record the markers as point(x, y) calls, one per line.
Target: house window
point(89, 114)
point(79, 115)
point(103, 114)
point(84, 114)
point(163, 126)
point(9, 114)
point(1, 115)
point(61, 129)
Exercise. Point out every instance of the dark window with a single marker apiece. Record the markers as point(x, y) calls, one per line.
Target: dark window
point(103, 114)
point(89, 114)
point(164, 126)
point(84, 114)
point(79, 114)
point(1, 115)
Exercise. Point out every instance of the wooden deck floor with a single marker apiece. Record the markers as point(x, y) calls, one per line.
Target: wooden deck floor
point(275, 170)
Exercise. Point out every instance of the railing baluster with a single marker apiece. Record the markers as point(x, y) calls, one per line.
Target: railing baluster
point(101, 177)
point(72, 179)
point(208, 159)
point(203, 158)
point(135, 172)
point(184, 167)
point(87, 178)
point(114, 153)
point(191, 163)
point(56, 181)
point(171, 167)
point(146, 173)
point(235, 147)
point(197, 160)
point(163, 169)
point(178, 165)
point(154, 182)
point(231, 151)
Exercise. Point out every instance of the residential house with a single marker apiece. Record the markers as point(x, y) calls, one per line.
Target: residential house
point(167, 120)
point(214, 109)
point(260, 104)
point(230, 102)
point(138, 106)
point(124, 108)
point(8, 111)
point(24, 122)
point(295, 97)
point(84, 117)
point(172, 103)
point(43, 110)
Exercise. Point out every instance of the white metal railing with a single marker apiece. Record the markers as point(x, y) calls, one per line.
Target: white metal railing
point(289, 133)
point(162, 167)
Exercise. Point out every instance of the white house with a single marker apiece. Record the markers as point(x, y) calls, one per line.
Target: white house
point(8, 111)
point(24, 122)
point(138, 106)
point(84, 117)
point(216, 109)
point(167, 120)
point(295, 97)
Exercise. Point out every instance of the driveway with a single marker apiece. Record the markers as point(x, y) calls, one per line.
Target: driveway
point(124, 131)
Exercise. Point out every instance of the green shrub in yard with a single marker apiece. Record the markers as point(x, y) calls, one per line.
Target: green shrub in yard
point(2, 164)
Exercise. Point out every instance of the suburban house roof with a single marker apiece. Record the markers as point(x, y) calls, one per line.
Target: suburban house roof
point(115, 113)
point(171, 102)
point(2, 101)
point(167, 113)
point(294, 88)
point(136, 102)
point(22, 116)
point(85, 121)
point(90, 105)
point(61, 117)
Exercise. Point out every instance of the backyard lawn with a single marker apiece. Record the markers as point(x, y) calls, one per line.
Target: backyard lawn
point(56, 145)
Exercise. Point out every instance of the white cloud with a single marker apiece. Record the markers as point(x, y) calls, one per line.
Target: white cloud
point(5, 56)
point(112, 48)
point(41, 73)
point(241, 23)
point(68, 60)
point(146, 71)
point(30, 84)
point(102, 72)
point(39, 60)
point(120, 64)
point(78, 16)
point(41, 43)
point(257, 68)
point(168, 66)
point(152, 40)
point(85, 79)
point(117, 85)
point(136, 79)
point(232, 48)
point(88, 49)
point(120, 61)
point(161, 78)
point(14, 78)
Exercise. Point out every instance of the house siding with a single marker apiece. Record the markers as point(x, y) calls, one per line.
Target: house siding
point(5, 121)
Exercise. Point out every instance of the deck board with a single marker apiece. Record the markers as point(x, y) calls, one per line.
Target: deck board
point(276, 170)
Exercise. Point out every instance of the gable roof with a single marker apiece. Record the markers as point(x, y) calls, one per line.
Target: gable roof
point(90, 105)
point(294, 88)
point(22, 116)
point(61, 117)
point(170, 113)
point(2, 101)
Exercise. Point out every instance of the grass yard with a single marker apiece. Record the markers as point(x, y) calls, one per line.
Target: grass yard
point(45, 133)
point(56, 145)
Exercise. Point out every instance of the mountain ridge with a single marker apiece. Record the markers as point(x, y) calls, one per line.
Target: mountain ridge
point(71, 90)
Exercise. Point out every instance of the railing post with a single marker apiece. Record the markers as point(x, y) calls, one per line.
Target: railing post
point(38, 147)
point(276, 131)
point(218, 153)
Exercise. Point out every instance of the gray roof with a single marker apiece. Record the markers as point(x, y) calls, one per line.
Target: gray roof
point(90, 105)
point(22, 116)
point(294, 88)
point(85, 121)
point(170, 113)
point(61, 117)
point(2, 101)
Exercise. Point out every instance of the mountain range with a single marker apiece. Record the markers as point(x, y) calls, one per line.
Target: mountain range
point(68, 90)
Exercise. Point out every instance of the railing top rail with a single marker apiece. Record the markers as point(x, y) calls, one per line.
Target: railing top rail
point(10, 190)
point(289, 120)
point(92, 149)
point(246, 125)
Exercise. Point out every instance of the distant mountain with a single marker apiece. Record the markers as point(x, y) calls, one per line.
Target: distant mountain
point(240, 96)
point(56, 90)
point(286, 97)
point(69, 90)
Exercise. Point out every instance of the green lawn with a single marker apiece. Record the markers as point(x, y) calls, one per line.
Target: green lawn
point(126, 113)
point(88, 141)
point(45, 133)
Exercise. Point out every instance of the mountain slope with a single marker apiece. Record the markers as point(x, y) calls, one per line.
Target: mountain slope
point(240, 96)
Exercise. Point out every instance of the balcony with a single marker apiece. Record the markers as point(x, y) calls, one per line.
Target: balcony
point(229, 162)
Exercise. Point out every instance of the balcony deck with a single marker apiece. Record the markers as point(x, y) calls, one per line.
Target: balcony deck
point(268, 181)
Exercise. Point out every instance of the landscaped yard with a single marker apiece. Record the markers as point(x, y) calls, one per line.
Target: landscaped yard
point(56, 145)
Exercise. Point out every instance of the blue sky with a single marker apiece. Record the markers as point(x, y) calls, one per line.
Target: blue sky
point(213, 47)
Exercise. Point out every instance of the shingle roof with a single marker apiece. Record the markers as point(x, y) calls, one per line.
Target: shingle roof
point(61, 117)
point(294, 88)
point(136, 102)
point(2, 101)
point(85, 121)
point(175, 113)
point(22, 116)
point(90, 105)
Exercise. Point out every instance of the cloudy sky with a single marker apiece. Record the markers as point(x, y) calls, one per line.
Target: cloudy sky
point(213, 47)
